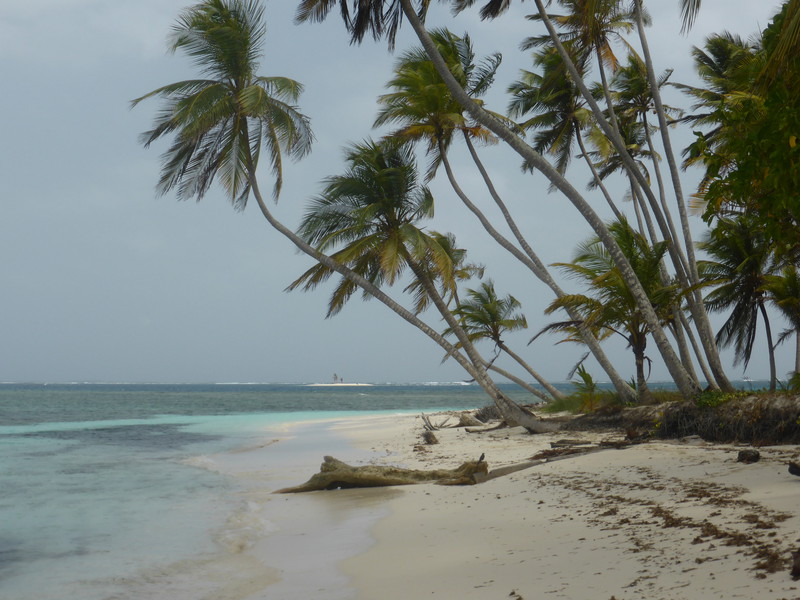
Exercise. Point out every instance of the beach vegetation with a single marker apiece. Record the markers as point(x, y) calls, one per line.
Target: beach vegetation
point(750, 153)
point(593, 33)
point(485, 315)
point(221, 124)
point(609, 308)
point(593, 91)
point(740, 259)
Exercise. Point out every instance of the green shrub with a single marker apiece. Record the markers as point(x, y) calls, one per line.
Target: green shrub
point(571, 404)
point(714, 398)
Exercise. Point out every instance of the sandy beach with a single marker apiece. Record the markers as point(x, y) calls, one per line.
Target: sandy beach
point(660, 520)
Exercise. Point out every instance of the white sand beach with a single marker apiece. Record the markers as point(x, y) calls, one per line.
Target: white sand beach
point(662, 520)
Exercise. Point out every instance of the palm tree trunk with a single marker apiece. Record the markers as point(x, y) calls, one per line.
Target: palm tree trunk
point(680, 338)
point(512, 412)
point(521, 362)
point(531, 260)
point(797, 350)
point(683, 381)
point(596, 176)
point(773, 375)
point(696, 304)
point(478, 373)
point(662, 193)
point(638, 202)
point(523, 384)
point(645, 397)
point(698, 352)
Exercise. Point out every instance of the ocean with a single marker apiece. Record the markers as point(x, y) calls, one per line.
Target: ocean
point(144, 492)
point(129, 492)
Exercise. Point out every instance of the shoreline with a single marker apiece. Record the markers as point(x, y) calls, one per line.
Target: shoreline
point(678, 520)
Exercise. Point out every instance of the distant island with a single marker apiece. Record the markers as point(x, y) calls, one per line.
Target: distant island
point(339, 384)
point(338, 381)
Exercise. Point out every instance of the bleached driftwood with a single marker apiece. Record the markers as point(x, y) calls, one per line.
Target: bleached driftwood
point(465, 419)
point(334, 474)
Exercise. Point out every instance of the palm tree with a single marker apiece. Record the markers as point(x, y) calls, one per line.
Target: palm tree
point(589, 27)
point(221, 124)
point(685, 383)
point(461, 271)
point(484, 315)
point(370, 217)
point(784, 292)
point(740, 260)
point(381, 18)
point(423, 107)
point(725, 66)
point(633, 99)
point(558, 115)
point(421, 104)
point(611, 308)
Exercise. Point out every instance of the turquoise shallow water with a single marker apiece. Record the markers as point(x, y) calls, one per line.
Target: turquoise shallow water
point(117, 491)
point(134, 492)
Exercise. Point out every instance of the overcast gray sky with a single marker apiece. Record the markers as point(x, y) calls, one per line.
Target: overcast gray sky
point(102, 281)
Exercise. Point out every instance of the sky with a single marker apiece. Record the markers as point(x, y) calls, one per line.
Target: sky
point(103, 281)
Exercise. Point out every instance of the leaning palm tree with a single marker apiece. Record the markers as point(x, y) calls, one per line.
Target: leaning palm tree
point(370, 218)
point(683, 380)
point(420, 104)
point(485, 315)
point(461, 271)
point(609, 307)
point(589, 28)
point(423, 107)
point(223, 122)
point(740, 259)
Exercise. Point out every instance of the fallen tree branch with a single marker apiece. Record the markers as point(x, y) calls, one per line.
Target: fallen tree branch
point(500, 425)
point(334, 474)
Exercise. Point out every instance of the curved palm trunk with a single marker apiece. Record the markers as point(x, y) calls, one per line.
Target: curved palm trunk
point(512, 412)
point(520, 382)
point(642, 212)
point(531, 260)
point(698, 352)
point(504, 404)
point(521, 362)
point(596, 176)
point(683, 381)
point(696, 304)
point(641, 381)
point(662, 193)
point(683, 348)
point(773, 376)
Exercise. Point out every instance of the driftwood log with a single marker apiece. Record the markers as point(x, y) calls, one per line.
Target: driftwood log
point(334, 474)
